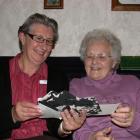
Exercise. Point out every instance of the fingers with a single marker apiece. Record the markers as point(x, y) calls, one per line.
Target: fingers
point(123, 116)
point(121, 123)
point(102, 135)
point(27, 105)
point(123, 108)
point(104, 138)
point(78, 117)
point(106, 131)
point(72, 119)
point(25, 110)
point(73, 115)
point(121, 119)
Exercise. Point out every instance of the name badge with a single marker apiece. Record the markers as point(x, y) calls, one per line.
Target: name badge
point(42, 82)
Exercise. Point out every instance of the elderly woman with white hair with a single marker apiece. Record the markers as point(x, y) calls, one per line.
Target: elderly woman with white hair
point(101, 53)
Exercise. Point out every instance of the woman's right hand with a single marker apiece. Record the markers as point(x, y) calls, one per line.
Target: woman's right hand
point(102, 135)
point(23, 111)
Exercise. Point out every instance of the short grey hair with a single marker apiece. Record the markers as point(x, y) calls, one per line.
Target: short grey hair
point(41, 19)
point(101, 35)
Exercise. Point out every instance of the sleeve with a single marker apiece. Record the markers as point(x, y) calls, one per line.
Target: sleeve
point(53, 125)
point(6, 121)
point(135, 127)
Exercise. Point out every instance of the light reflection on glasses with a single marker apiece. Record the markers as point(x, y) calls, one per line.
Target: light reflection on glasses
point(40, 39)
point(98, 57)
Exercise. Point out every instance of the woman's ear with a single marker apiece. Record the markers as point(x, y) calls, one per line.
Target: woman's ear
point(115, 65)
point(21, 36)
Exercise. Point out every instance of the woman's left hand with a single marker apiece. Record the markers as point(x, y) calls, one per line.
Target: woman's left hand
point(123, 116)
point(72, 120)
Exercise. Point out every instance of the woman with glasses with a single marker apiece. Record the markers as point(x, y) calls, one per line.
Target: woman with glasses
point(28, 73)
point(101, 53)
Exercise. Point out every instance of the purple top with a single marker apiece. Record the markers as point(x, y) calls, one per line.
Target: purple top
point(112, 89)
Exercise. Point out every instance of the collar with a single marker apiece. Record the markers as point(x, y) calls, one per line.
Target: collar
point(107, 81)
point(42, 70)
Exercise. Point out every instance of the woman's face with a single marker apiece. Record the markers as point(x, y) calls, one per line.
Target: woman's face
point(37, 44)
point(98, 61)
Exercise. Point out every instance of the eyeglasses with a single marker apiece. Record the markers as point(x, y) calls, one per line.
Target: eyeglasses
point(40, 39)
point(98, 57)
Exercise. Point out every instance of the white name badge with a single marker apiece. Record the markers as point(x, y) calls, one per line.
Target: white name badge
point(42, 82)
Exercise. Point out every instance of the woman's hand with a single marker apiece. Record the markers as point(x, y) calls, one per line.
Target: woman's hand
point(23, 111)
point(123, 116)
point(72, 120)
point(102, 135)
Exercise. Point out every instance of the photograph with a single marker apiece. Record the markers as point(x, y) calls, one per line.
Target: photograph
point(125, 5)
point(53, 4)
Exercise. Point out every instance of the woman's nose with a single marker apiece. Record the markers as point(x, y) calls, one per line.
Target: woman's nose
point(94, 60)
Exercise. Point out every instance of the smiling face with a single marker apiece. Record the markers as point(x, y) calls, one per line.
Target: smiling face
point(35, 52)
point(98, 61)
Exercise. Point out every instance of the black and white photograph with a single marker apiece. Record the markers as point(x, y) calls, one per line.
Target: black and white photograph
point(59, 101)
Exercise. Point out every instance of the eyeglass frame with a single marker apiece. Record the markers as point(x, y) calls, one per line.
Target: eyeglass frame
point(47, 41)
point(98, 57)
